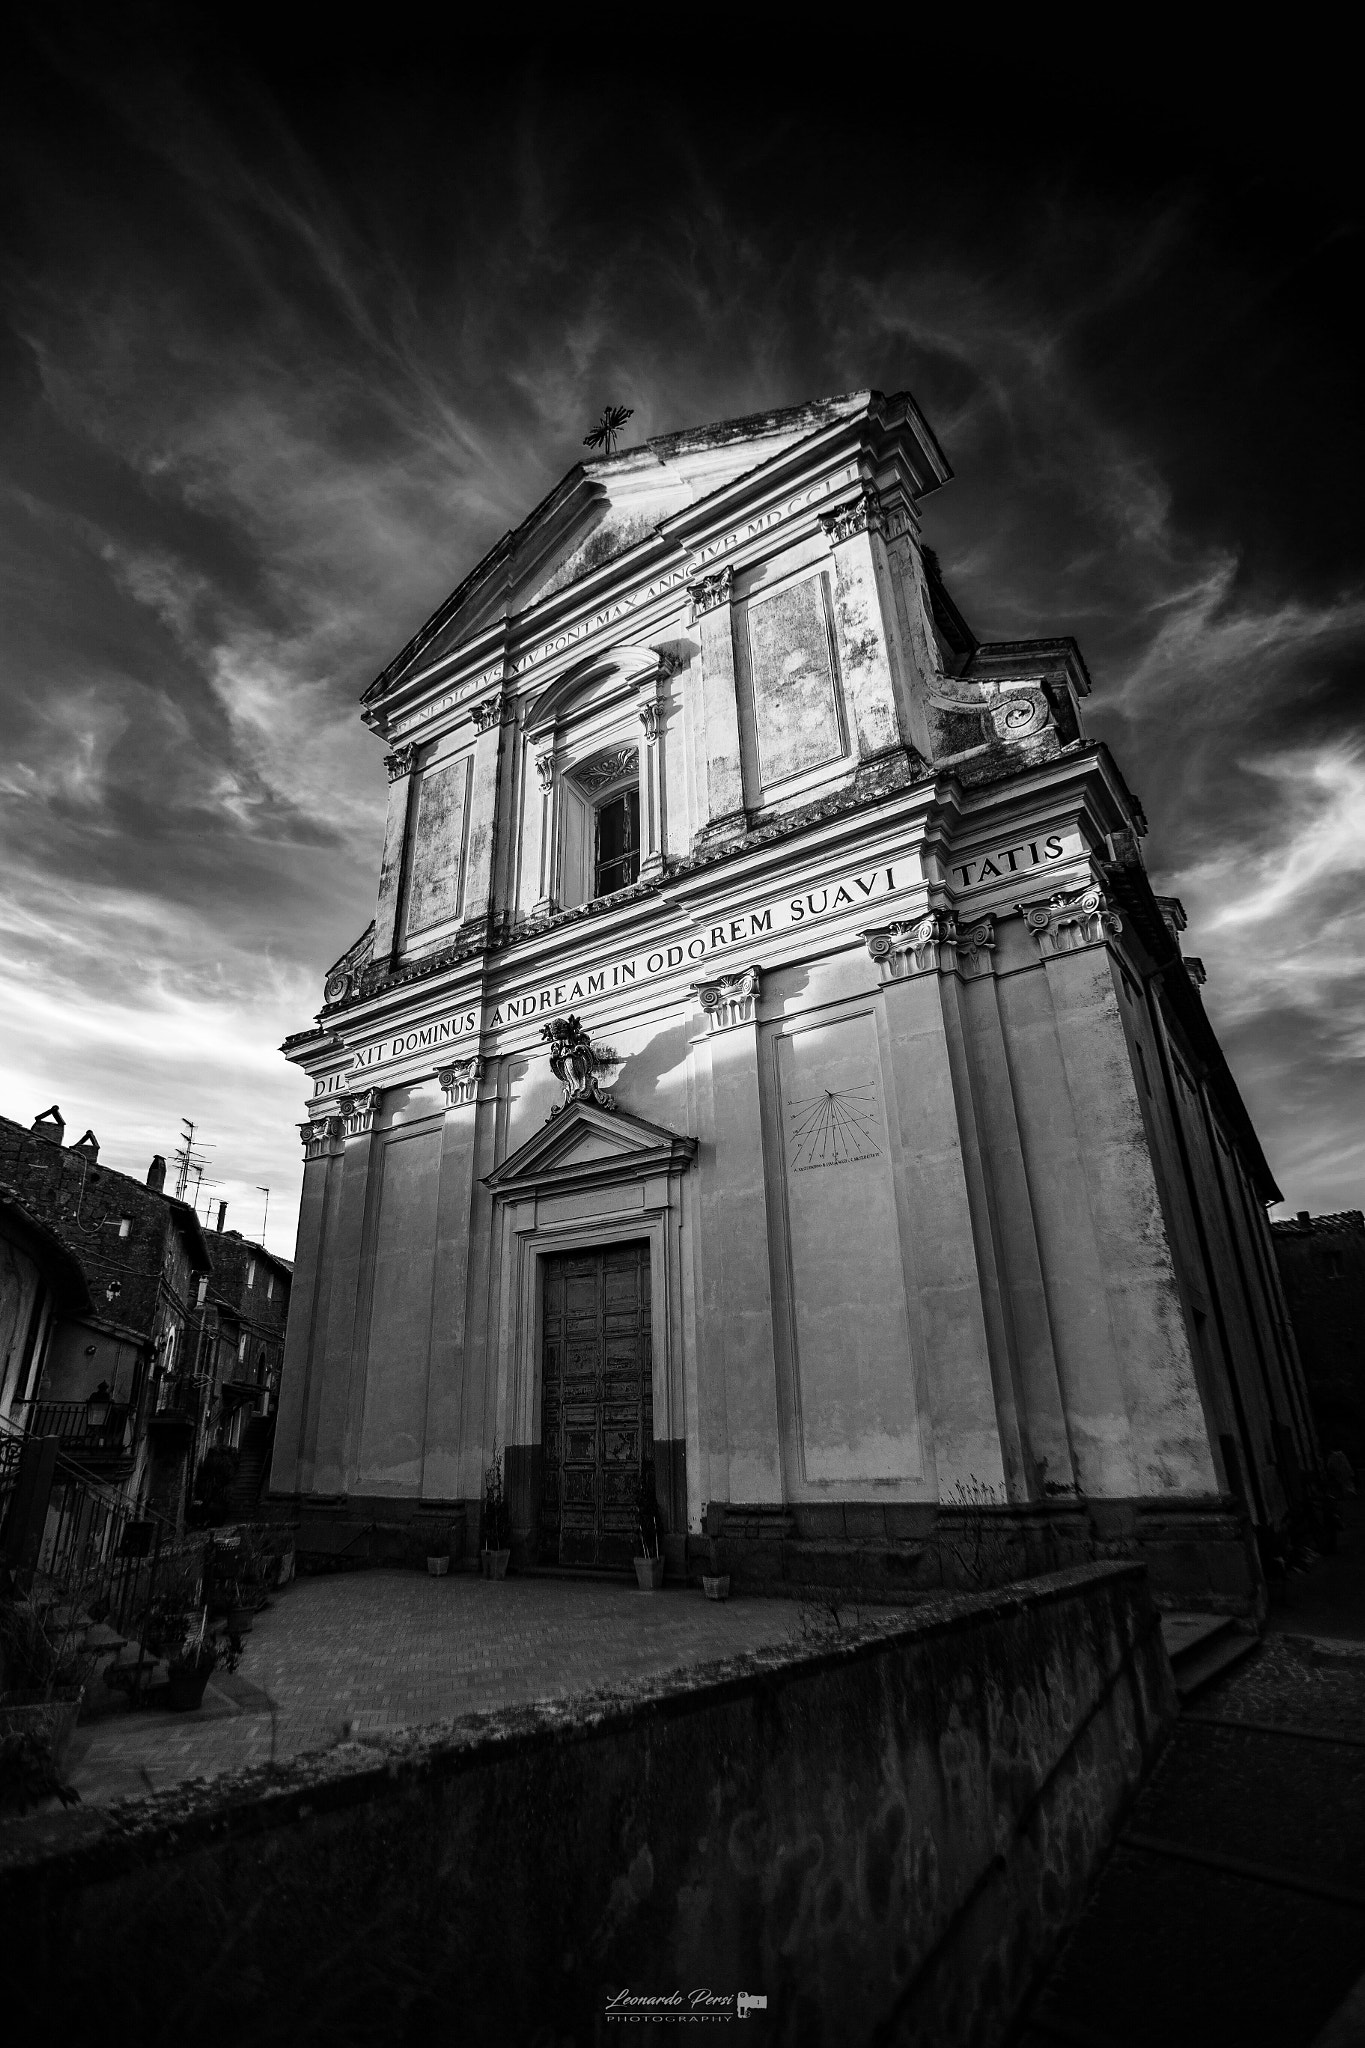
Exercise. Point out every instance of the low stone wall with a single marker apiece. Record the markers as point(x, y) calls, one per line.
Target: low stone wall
point(885, 1834)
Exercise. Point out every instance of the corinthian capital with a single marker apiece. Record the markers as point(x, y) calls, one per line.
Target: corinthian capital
point(401, 761)
point(493, 711)
point(1071, 920)
point(709, 591)
point(862, 514)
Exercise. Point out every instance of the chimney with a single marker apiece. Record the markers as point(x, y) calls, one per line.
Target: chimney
point(50, 1125)
point(222, 1214)
point(1303, 1217)
point(156, 1175)
point(89, 1145)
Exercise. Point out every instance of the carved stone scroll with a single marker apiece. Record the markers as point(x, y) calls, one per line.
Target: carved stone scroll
point(730, 999)
point(862, 514)
point(357, 1112)
point(318, 1134)
point(1071, 920)
point(931, 944)
point(460, 1081)
point(493, 711)
point(709, 592)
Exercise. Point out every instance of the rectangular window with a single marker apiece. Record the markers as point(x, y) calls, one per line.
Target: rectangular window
point(251, 1272)
point(617, 860)
point(269, 1286)
point(797, 718)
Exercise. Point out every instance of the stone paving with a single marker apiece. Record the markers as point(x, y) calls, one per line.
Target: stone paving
point(365, 1653)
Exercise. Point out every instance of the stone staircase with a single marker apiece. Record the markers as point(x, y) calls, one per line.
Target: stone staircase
point(253, 1464)
point(1202, 1647)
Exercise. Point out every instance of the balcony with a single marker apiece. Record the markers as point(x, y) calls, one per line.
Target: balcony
point(95, 1434)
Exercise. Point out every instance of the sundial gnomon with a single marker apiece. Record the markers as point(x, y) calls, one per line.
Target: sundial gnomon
point(834, 1128)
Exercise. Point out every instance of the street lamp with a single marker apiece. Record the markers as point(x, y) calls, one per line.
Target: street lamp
point(97, 1409)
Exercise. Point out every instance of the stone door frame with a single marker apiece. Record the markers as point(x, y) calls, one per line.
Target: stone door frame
point(550, 1199)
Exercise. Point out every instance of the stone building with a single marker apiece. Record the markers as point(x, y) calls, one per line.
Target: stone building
point(769, 1059)
point(1322, 1266)
point(237, 1341)
point(95, 1351)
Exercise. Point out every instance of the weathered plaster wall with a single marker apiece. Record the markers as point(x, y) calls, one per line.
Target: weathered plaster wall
point(887, 1836)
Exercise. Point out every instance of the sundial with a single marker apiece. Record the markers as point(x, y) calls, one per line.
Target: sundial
point(834, 1128)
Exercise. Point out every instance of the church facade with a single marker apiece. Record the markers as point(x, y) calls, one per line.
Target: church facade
point(769, 1062)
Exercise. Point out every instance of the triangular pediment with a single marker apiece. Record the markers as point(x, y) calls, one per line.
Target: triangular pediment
point(585, 1142)
point(602, 508)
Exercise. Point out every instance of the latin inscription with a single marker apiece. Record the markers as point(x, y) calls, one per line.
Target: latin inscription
point(582, 629)
point(1019, 859)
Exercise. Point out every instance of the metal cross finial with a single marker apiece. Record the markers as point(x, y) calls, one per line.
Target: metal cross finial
point(604, 434)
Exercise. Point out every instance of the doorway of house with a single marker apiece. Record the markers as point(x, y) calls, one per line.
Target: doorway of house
point(597, 1415)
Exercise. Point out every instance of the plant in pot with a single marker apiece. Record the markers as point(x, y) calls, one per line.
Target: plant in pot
point(438, 1550)
point(192, 1662)
point(649, 1562)
point(715, 1580)
point(497, 1547)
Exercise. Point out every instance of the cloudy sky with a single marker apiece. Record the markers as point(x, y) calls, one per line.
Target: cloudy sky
point(289, 341)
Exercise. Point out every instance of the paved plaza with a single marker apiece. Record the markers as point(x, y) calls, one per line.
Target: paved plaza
point(367, 1653)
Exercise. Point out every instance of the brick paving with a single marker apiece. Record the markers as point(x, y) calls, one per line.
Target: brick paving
point(367, 1653)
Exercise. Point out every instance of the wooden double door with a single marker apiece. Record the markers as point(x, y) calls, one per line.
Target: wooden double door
point(597, 1416)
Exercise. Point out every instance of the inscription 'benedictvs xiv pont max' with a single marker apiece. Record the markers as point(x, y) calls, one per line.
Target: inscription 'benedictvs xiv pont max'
point(770, 1066)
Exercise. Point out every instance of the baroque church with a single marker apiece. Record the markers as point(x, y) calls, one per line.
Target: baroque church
point(769, 1064)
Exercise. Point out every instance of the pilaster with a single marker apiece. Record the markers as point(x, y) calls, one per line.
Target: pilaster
point(736, 1276)
point(722, 777)
point(477, 890)
point(344, 1339)
point(653, 787)
point(547, 783)
point(856, 532)
point(292, 1456)
point(973, 1419)
point(400, 764)
point(442, 1444)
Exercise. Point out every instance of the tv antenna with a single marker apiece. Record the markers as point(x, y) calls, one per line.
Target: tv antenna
point(605, 434)
point(266, 1218)
point(188, 1159)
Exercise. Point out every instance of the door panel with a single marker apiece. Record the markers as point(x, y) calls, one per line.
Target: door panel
point(597, 1424)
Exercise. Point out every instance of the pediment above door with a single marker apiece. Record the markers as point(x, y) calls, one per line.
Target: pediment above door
point(585, 1145)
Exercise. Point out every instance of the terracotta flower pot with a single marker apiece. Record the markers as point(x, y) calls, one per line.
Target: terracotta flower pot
point(717, 1587)
point(495, 1563)
point(649, 1573)
point(438, 1566)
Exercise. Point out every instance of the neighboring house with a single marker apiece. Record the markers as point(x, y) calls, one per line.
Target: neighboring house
point(101, 1277)
point(1322, 1266)
point(238, 1349)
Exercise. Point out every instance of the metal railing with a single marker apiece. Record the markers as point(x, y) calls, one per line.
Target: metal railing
point(70, 1422)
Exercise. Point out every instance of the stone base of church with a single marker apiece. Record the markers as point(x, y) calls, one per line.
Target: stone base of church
point(1199, 1554)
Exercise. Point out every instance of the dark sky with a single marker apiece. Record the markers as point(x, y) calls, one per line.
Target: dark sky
point(292, 333)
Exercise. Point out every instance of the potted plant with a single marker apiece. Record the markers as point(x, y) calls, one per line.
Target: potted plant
point(438, 1551)
point(497, 1548)
point(649, 1562)
point(190, 1665)
point(715, 1581)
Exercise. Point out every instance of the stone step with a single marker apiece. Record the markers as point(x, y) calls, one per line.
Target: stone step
point(1200, 1665)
